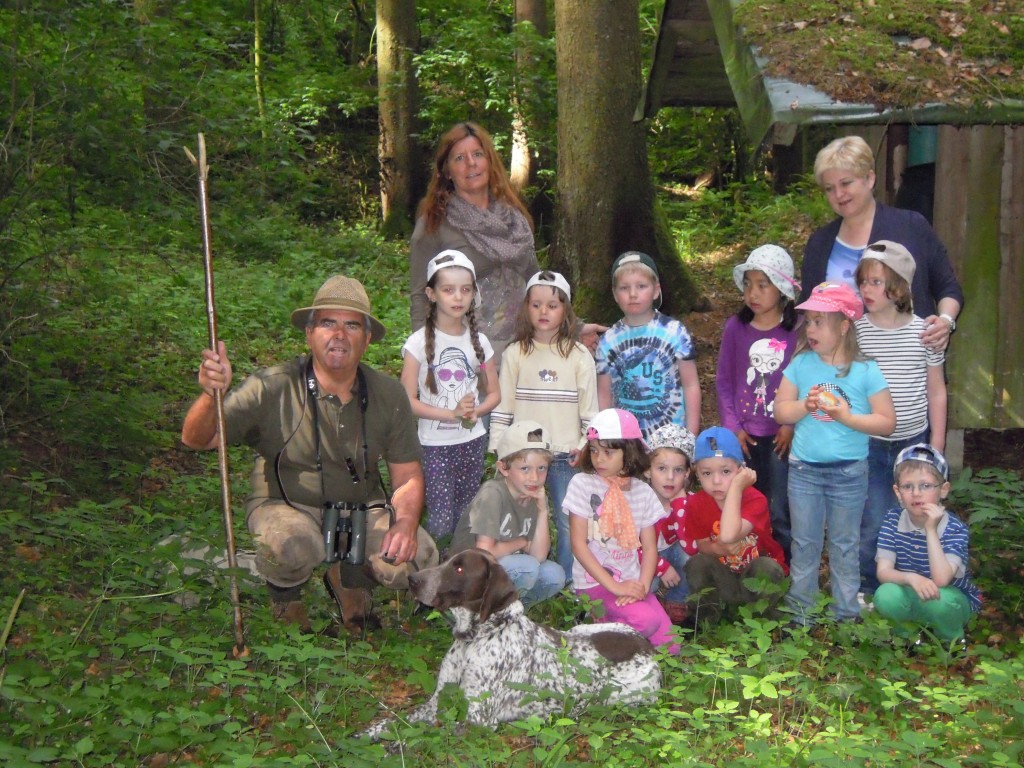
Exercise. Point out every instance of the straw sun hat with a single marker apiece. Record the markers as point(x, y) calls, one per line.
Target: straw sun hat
point(344, 293)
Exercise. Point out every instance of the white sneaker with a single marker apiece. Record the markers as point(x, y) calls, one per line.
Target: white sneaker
point(864, 604)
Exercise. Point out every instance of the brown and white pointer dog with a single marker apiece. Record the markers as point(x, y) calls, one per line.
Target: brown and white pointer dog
point(509, 667)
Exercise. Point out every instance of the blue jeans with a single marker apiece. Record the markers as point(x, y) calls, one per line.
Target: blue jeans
point(820, 497)
point(773, 481)
point(559, 475)
point(881, 456)
point(534, 579)
point(676, 557)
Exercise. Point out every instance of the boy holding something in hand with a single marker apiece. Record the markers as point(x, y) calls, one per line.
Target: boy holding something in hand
point(922, 551)
point(728, 523)
point(508, 517)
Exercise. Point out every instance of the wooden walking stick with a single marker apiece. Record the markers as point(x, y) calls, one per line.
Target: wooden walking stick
point(240, 650)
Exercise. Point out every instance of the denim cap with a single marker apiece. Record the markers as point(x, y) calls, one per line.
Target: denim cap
point(717, 443)
point(834, 297)
point(552, 280)
point(522, 436)
point(614, 424)
point(776, 263)
point(927, 454)
point(671, 436)
point(894, 256)
point(452, 258)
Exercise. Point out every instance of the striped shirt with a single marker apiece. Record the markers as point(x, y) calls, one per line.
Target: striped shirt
point(558, 392)
point(904, 361)
point(902, 542)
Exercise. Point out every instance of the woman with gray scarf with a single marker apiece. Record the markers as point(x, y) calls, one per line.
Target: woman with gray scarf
point(471, 207)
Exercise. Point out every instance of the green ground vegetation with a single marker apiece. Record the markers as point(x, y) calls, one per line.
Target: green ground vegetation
point(894, 54)
point(102, 665)
point(111, 654)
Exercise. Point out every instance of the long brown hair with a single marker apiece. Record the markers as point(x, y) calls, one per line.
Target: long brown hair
point(565, 339)
point(441, 187)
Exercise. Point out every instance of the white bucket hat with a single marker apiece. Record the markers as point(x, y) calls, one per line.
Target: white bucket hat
point(775, 262)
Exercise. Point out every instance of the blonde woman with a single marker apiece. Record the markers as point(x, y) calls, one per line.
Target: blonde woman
point(845, 171)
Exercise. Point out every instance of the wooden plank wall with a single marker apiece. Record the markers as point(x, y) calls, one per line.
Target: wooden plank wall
point(981, 221)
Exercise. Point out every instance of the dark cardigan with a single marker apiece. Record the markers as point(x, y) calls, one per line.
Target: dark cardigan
point(934, 278)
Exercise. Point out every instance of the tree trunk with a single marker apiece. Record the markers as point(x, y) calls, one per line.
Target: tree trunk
point(396, 87)
point(522, 171)
point(605, 200)
point(257, 67)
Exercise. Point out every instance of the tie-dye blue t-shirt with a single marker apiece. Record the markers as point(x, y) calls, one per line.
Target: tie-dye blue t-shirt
point(643, 363)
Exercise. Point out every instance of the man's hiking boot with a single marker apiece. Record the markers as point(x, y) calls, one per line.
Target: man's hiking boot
point(292, 612)
point(286, 606)
point(355, 604)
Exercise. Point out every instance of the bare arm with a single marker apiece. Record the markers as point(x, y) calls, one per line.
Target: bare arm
point(937, 331)
point(936, 389)
point(941, 569)
point(400, 541)
point(789, 409)
point(604, 391)
point(649, 560)
point(501, 549)
point(493, 389)
point(733, 527)
point(925, 588)
point(540, 544)
point(200, 428)
point(691, 394)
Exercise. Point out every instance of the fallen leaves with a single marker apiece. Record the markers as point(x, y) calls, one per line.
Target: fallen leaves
point(28, 554)
point(906, 53)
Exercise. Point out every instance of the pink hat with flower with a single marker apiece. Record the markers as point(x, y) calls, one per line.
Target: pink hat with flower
point(834, 297)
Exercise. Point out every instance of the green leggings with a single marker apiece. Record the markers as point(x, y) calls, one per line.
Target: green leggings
point(946, 616)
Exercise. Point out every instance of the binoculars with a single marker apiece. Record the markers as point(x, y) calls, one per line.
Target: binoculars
point(350, 529)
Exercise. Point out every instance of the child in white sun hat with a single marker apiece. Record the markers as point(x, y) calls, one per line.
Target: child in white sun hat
point(757, 344)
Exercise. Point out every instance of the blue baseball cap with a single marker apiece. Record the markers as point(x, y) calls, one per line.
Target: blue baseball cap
point(717, 443)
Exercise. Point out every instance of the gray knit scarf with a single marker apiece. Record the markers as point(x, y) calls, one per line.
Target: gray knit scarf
point(501, 233)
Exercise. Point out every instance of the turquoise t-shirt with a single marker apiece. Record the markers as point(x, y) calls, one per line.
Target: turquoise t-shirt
point(817, 438)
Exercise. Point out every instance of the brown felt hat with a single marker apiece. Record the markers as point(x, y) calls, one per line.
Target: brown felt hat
point(345, 293)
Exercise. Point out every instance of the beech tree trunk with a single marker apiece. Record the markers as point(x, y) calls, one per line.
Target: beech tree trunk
point(396, 85)
point(522, 169)
point(605, 198)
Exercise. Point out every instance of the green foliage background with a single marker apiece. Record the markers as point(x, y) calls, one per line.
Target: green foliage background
point(101, 322)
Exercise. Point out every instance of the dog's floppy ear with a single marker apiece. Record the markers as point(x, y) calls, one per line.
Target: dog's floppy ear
point(499, 591)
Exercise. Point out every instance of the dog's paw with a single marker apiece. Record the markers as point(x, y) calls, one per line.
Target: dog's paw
point(377, 731)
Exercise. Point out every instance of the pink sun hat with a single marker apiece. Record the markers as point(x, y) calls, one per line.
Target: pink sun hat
point(834, 297)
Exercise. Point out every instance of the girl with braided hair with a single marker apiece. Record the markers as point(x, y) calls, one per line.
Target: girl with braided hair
point(444, 363)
